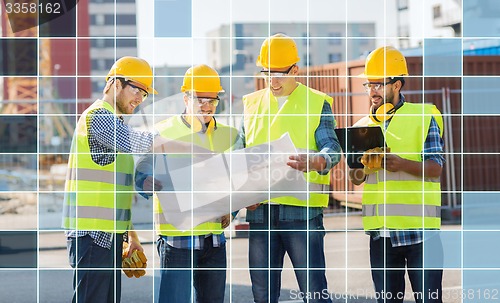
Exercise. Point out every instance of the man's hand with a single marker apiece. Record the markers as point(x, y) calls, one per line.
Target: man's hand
point(372, 158)
point(393, 163)
point(134, 243)
point(305, 163)
point(133, 259)
point(357, 175)
point(253, 207)
point(151, 184)
point(226, 220)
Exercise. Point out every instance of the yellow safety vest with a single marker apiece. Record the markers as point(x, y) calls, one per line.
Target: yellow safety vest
point(97, 197)
point(300, 116)
point(398, 200)
point(218, 138)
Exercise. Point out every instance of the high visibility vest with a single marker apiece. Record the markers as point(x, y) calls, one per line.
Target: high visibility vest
point(300, 116)
point(218, 138)
point(398, 200)
point(97, 197)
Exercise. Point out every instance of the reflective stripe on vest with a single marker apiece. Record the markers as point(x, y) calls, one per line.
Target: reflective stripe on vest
point(299, 116)
point(97, 197)
point(96, 175)
point(220, 139)
point(105, 213)
point(399, 200)
point(401, 210)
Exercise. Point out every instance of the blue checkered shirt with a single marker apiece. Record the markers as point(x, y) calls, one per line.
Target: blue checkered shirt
point(107, 134)
point(194, 242)
point(433, 150)
point(329, 147)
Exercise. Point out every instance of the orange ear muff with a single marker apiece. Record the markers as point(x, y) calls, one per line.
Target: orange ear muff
point(383, 113)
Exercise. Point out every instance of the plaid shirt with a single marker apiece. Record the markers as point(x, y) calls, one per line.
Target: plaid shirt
point(195, 242)
point(107, 135)
point(329, 147)
point(433, 150)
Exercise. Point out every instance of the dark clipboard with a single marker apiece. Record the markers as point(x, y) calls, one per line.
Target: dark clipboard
point(354, 141)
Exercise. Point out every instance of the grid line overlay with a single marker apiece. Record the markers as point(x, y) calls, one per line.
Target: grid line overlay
point(36, 144)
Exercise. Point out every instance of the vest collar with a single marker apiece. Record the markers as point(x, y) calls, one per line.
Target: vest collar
point(196, 126)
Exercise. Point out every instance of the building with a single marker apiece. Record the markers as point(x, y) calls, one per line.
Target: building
point(441, 18)
point(112, 34)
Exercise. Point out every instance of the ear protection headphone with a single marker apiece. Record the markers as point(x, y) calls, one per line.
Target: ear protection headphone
point(383, 113)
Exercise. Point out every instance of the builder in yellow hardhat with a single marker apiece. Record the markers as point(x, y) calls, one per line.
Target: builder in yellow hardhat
point(402, 194)
point(99, 187)
point(287, 106)
point(197, 257)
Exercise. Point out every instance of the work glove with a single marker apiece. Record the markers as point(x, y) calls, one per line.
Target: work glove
point(372, 159)
point(133, 266)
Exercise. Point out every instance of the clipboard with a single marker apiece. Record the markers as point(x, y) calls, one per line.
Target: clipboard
point(354, 141)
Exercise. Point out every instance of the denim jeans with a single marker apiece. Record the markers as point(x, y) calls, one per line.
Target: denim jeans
point(204, 269)
point(268, 243)
point(90, 282)
point(426, 284)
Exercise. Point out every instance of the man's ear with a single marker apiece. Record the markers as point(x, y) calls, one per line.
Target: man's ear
point(398, 85)
point(108, 86)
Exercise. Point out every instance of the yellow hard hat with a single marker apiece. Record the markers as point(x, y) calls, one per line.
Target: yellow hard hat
point(385, 62)
point(201, 78)
point(278, 51)
point(134, 69)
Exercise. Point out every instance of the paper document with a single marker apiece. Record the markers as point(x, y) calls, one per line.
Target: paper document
point(200, 190)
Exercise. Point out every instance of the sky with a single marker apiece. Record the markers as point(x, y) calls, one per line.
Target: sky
point(207, 15)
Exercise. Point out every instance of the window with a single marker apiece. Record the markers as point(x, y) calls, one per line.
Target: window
point(402, 4)
point(307, 60)
point(109, 19)
point(304, 38)
point(125, 19)
point(98, 64)
point(126, 43)
point(335, 38)
point(436, 11)
point(97, 86)
point(334, 57)
point(97, 19)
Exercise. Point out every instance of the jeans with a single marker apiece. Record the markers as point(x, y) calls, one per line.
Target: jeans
point(268, 243)
point(90, 282)
point(183, 268)
point(425, 283)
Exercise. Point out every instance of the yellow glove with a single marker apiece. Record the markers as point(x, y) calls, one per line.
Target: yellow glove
point(136, 262)
point(126, 264)
point(372, 160)
point(139, 259)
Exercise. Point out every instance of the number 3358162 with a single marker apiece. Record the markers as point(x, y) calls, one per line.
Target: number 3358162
point(32, 8)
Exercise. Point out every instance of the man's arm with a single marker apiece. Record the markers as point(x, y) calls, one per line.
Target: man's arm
point(144, 181)
point(110, 131)
point(433, 160)
point(134, 242)
point(357, 176)
point(327, 143)
point(240, 140)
